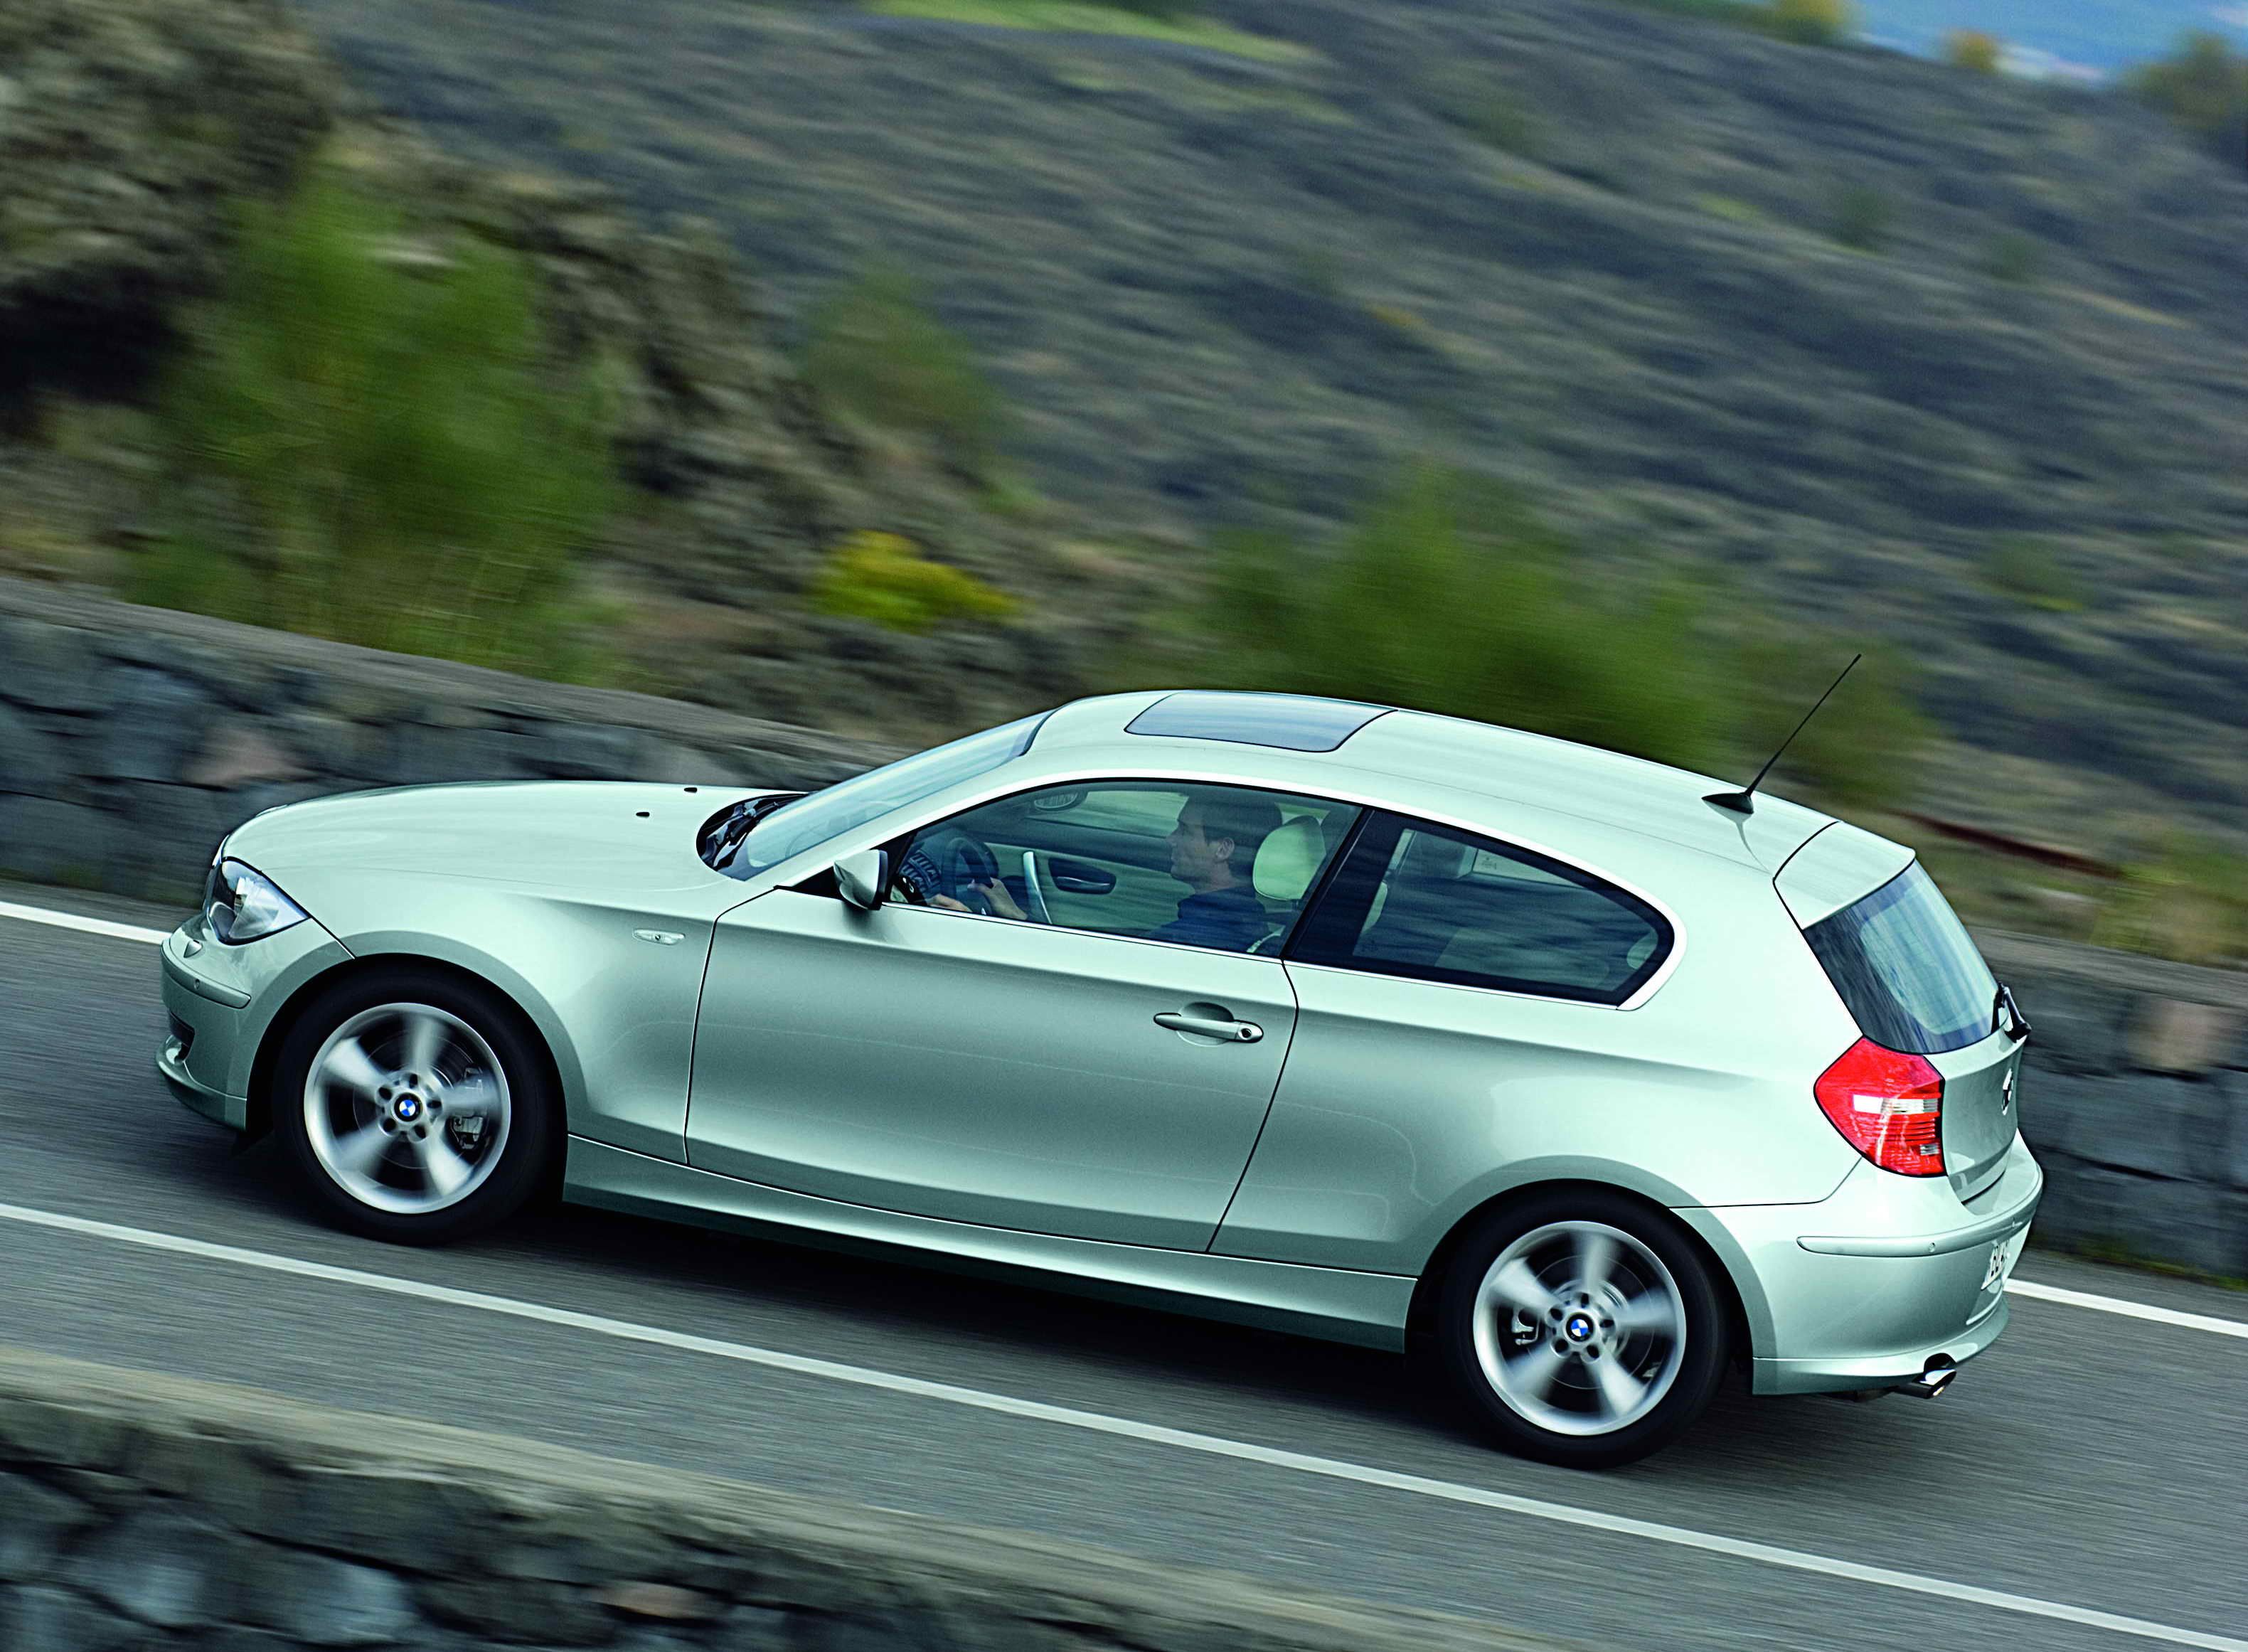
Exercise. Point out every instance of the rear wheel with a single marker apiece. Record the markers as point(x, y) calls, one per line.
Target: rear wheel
point(415, 1105)
point(1582, 1328)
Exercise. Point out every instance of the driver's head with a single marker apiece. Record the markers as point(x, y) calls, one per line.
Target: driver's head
point(1215, 844)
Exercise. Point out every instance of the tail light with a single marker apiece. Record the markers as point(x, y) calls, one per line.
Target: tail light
point(1887, 1105)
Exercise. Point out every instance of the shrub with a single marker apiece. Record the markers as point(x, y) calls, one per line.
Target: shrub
point(1859, 752)
point(2188, 900)
point(1451, 594)
point(2015, 258)
point(374, 447)
point(1822, 23)
point(1818, 23)
point(875, 350)
point(1975, 50)
point(2203, 86)
point(885, 578)
point(2026, 568)
point(1465, 96)
point(1863, 216)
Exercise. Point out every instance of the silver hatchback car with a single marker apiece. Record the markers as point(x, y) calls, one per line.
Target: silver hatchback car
point(1356, 1022)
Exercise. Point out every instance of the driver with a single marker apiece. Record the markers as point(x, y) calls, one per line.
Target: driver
point(1213, 852)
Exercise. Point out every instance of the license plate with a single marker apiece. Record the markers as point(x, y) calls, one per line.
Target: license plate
point(1995, 1273)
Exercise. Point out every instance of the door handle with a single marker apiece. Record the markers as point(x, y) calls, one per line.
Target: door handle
point(1211, 1027)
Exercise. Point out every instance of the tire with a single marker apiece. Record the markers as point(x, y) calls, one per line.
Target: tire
point(1631, 1332)
point(415, 1105)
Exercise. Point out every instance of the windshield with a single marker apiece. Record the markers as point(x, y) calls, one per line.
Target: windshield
point(814, 819)
point(1907, 968)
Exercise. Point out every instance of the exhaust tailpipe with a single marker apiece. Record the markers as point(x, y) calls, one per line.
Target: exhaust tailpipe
point(1934, 1379)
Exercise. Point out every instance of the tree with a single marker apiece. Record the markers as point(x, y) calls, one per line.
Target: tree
point(1974, 51)
point(2203, 88)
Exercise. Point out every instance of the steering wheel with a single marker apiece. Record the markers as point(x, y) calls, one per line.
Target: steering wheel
point(948, 861)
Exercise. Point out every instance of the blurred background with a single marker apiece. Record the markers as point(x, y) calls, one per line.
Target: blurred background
point(1614, 369)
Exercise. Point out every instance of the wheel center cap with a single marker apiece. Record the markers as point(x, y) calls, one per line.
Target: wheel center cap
point(408, 1107)
point(1580, 1327)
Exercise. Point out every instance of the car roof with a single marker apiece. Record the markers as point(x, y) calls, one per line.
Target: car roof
point(1510, 766)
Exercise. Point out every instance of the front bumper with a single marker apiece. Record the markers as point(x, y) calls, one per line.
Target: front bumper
point(222, 1001)
point(1864, 1289)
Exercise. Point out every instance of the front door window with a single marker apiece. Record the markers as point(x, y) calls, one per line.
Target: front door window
point(1224, 867)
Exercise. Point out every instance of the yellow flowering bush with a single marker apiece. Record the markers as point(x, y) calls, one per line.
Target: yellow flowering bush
point(886, 578)
point(1974, 51)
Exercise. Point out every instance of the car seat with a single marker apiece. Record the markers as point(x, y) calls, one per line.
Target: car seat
point(1287, 862)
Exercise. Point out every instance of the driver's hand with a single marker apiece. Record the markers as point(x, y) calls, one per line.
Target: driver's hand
point(948, 903)
point(1002, 904)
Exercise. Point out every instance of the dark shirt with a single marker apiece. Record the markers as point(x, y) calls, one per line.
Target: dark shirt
point(1230, 920)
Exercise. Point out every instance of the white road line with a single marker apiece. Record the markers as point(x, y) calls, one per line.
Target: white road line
point(2128, 1310)
point(85, 926)
point(2017, 1287)
point(1127, 1428)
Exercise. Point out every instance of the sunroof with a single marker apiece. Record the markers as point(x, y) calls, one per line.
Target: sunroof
point(1290, 722)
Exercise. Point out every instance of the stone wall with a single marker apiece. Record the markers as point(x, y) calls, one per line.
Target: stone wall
point(131, 739)
point(144, 1511)
point(2135, 1097)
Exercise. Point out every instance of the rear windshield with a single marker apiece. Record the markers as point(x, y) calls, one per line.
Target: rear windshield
point(1906, 968)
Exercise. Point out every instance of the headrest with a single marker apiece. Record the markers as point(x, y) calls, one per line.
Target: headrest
point(1288, 860)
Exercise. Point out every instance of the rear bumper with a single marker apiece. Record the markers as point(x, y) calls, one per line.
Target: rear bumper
point(1866, 1289)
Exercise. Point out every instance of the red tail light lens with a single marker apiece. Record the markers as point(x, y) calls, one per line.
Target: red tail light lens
point(1888, 1106)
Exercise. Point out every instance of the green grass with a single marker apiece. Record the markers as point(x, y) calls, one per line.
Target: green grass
point(1082, 17)
point(366, 440)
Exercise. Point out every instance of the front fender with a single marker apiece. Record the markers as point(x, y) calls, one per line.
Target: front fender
point(613, 989)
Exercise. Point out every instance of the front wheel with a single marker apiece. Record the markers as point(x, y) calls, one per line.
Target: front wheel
point(415, 1105)
point(1582, 1328)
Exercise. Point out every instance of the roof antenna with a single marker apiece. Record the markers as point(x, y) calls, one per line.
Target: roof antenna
point(1744, 802)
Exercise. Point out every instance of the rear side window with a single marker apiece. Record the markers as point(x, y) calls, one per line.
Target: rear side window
point(1906, 968)
point(1433, 904)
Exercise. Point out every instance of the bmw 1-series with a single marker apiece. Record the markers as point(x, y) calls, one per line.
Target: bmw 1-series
point(1579, 1082)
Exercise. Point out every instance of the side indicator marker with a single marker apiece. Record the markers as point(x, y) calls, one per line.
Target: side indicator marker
point(659, 937)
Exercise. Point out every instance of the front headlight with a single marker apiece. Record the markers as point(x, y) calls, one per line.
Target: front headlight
point(243, 905)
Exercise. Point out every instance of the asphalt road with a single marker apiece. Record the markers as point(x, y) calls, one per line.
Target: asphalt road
point(2090, 1462)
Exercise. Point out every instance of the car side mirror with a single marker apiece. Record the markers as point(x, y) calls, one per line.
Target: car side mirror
point(863, 879)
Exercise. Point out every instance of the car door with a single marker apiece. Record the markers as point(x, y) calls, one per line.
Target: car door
point(1089, 1075)
point(1458, 1012)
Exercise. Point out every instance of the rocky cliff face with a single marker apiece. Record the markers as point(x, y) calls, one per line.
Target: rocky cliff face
point(1954, 364)
point(132, 132)
point(127, 131)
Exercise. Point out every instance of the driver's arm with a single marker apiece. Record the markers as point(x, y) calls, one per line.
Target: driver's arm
point(1003, 903)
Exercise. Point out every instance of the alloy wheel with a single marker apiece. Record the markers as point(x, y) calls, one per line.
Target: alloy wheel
point(1579, 1328)
point(407, 1109)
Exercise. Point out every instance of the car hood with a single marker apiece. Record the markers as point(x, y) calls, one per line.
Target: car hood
point(581, 836)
